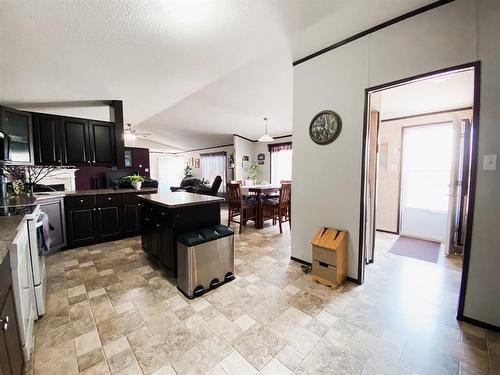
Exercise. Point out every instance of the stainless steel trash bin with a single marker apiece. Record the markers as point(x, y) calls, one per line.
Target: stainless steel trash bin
point(205, 259)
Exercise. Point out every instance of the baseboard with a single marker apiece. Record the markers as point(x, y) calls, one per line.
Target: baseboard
point(310, 264)
point(301, 261)
point(481, 324)
point(387, 231)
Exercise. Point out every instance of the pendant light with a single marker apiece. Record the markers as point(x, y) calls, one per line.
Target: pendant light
point(266, 137)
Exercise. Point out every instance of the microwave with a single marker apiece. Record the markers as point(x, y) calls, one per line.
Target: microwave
point(4, 146)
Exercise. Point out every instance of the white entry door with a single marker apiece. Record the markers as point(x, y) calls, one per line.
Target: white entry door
point(425, 179)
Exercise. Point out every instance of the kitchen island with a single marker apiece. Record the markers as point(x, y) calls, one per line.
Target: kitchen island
point(165, 215)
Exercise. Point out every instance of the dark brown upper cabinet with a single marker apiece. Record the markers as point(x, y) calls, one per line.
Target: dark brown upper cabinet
point(102, 143)
point(17, 125)
point(47, 142)
point(75, 141)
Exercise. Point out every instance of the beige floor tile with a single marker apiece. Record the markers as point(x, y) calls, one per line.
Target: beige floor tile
point(225, 327)
point(244, 322)
point(119, 325)
point(236, 364)
point(99, 369)
point(90, 359)
point(298, 337)
point(329, 359)
point(165, 370)
point(133, 369)
point(275, 367)
point(121, 360)
point(290, 358)
point(258, 345)
point(202, 357)
point(87, 342)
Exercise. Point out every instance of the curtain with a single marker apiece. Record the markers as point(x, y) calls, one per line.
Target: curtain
point(281, 162)
point(212, 165)
point(275, 147)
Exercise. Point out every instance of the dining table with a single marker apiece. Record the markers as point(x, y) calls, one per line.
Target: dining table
point(259, 191)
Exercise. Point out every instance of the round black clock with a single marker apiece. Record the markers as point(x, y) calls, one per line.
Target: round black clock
point(325, 127)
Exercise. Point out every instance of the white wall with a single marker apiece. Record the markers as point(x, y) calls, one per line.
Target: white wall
point(242, 147)
point(327, 179)
point(101, 112)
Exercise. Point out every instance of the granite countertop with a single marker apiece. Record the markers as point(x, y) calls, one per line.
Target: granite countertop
point(16, 201)
point(180, 199)
point(8, 231)
point(73, 193)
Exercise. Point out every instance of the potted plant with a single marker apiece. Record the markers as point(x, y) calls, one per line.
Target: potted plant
point(253, 172)
point(136, 181)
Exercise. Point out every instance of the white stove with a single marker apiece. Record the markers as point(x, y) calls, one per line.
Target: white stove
point(28, 274)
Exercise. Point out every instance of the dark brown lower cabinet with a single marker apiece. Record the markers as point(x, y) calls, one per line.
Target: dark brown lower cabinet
point(108, 222)
point(160, 226)
point(82, 225)
point(11, 356)
point(102, 217)
point(131, 215)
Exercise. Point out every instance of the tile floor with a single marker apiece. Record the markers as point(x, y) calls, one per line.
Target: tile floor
point(109, 311)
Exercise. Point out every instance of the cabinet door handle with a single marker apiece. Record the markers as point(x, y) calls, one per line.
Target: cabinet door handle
point(93, 209)
point(81, 200)
point(109, 198)
point(99, 209)
point(158, 225)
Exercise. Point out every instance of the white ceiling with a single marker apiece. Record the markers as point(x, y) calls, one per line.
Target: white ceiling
point(430, 95)
point(190, 72)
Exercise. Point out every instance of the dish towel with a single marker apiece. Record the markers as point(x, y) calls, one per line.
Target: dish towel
point(47, 235)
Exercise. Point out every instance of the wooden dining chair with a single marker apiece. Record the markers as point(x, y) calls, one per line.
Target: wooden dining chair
point(246, 209)
point(279, 209)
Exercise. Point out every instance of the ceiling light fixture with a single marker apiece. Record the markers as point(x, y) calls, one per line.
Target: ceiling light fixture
point(266, 137)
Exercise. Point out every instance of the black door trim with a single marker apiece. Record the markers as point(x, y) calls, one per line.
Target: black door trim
point(476, 65)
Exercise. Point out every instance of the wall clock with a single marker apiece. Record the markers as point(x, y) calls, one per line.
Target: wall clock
point(325, 127)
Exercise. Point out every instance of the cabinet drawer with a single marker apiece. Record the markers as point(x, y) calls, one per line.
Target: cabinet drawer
point(80, 201)
point(324, 271)
point(325, 255)
point(130, 199)
point(106, 200)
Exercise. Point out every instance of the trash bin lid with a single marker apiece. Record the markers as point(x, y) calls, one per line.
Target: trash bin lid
point(203, 235)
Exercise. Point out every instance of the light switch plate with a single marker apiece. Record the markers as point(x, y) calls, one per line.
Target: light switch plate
point(490, 162)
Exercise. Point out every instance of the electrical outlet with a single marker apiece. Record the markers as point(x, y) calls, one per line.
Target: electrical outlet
point(490, 162)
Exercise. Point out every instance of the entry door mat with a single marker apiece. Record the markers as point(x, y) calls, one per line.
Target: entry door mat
point(415, 248)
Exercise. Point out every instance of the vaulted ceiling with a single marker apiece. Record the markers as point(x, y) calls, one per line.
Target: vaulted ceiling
point(190, 72)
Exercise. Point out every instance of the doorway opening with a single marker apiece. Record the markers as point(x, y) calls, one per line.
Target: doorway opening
point(419, 168)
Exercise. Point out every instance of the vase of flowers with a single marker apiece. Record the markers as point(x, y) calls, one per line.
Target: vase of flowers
point(136, 182)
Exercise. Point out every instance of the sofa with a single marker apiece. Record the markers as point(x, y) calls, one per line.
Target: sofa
point(208, 190)
point(186, 184)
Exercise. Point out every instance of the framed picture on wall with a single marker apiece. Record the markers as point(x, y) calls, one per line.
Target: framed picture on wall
point(261, 157)
point(197, 163)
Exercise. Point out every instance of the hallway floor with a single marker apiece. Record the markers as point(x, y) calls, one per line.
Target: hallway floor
point(109, 310)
